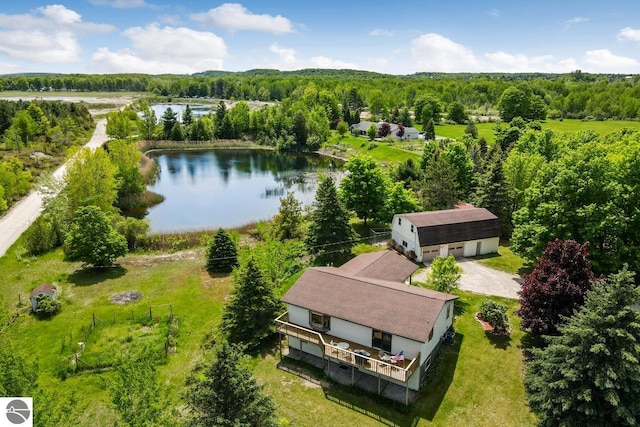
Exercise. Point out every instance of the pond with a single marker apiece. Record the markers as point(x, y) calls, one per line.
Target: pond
point(230, 187)
point(197, 110)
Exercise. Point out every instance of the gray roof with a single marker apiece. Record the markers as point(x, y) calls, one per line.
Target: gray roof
point(403, 310)
point(382, 265)
point(453, 225)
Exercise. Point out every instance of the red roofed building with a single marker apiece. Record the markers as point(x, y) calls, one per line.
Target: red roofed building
point(44, 289)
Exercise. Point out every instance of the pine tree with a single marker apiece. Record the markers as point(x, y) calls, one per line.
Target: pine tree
point(589, 375)
point(492, 191)
point(287, 222)
point(430, 131)
point(248, 317)
point(329, 229)
point(229, 396)
point(222, 255)
point(187, 116)
point(440, 185)
point(471, 129)
point(556, 287)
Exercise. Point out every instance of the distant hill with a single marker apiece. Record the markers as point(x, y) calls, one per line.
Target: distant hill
point(307, 72)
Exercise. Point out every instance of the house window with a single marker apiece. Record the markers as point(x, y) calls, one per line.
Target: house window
point(404, 243)
point(448, 311)
point(399, 221)
point(381, 340)
point(319, 321)
point(412, 228)
point(430, 335)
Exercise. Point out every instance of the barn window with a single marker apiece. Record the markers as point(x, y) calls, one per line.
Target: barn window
point(448, 311)
point(404, 243)
point(430, 335)
point(319, 321)
point(399, 221)
point(412, 228)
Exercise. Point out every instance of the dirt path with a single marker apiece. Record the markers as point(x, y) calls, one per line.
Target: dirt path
point(23, 213)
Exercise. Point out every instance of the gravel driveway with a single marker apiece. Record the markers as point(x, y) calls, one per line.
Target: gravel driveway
point(483, 280)
point(23, 213)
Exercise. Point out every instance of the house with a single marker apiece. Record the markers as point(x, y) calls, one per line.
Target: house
point(466, 231)
point(45, 289)
point(360, 129)
point(363, 316)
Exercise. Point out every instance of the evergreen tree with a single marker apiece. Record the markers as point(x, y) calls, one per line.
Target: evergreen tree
point(471, 129)
point(329, 229)
point(222, 254)
point(169, 119)
point(492, 191)
point(287, 222)
point(405, 117)
point(589, 375)
point(247, 318)
point(176, 132)
point(556, 287)
point(440, 185)
point(430, 131)
point(187, 116)
point(228, 396)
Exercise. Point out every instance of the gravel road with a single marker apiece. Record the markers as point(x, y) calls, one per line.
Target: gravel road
point(23, 213)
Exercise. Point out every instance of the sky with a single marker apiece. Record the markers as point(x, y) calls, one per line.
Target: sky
point(400, 37)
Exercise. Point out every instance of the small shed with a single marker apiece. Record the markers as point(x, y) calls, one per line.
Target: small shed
point(46, 289)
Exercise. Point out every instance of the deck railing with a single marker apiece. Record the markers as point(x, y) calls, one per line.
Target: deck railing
point(365, 363)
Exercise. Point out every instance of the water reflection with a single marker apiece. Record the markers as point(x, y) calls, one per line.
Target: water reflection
point(231, 187)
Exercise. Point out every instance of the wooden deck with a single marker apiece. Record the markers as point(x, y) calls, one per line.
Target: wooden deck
point(400, 371)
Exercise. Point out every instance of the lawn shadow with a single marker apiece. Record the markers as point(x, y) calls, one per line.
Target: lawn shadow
point(95, 275)
point(460, 307)
point(530, 341)
point(502, 341)
point(379, 408)
point(526, 268)
point(430, 398)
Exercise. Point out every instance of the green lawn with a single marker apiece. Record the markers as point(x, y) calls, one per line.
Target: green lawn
point(566, 126)
point(504, 260)
point(478, 381)
point(385, 152)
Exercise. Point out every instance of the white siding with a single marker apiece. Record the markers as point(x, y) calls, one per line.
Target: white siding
point(402, 233)
point(299, 316)
point(442, 324)
point(307, 347)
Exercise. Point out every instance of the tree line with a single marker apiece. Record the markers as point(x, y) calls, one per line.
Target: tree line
point(573, 95)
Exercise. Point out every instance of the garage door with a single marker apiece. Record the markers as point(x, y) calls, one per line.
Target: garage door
point(430, 252)
point(456, 249)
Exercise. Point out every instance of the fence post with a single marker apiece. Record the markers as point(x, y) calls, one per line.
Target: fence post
point(114, 317)
point(170, 312)
point(93, 324)
point(150, 314)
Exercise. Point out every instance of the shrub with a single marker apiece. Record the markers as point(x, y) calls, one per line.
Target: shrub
point(47, 306)
point(495, 314)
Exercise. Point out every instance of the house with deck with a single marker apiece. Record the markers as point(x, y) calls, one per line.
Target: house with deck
point(395, 131)
point(366, 317)
point(462, 232)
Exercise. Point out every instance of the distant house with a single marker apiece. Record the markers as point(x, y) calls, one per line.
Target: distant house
point(360, 129)
point(45, 289)
point(465, 231)
point(363, 316)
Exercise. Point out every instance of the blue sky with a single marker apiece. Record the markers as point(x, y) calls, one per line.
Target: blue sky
point(402, 37)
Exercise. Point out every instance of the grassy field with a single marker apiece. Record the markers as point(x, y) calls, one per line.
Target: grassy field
point(478, 381)
point(562, 127)
point(381, 151)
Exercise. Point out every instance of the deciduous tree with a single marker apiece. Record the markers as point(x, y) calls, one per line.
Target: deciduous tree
point(364, 189)
point(287, 223)
point(93, 240)
point(589, 375)
point(91, 180)
point(444, 274)
point(556, 287)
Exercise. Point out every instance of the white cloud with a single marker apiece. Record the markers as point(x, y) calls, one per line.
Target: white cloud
point(433, 52)
point(156, 50)
point(381, 32)
point(520, 63)
point(6, 68)
point(48, 34)
point(120, 4)
point(602, 60)
point(234, 16)
point(577, 20)
point(170, 19)
point(629, 33)
point(494, 12)
point(287, 60)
